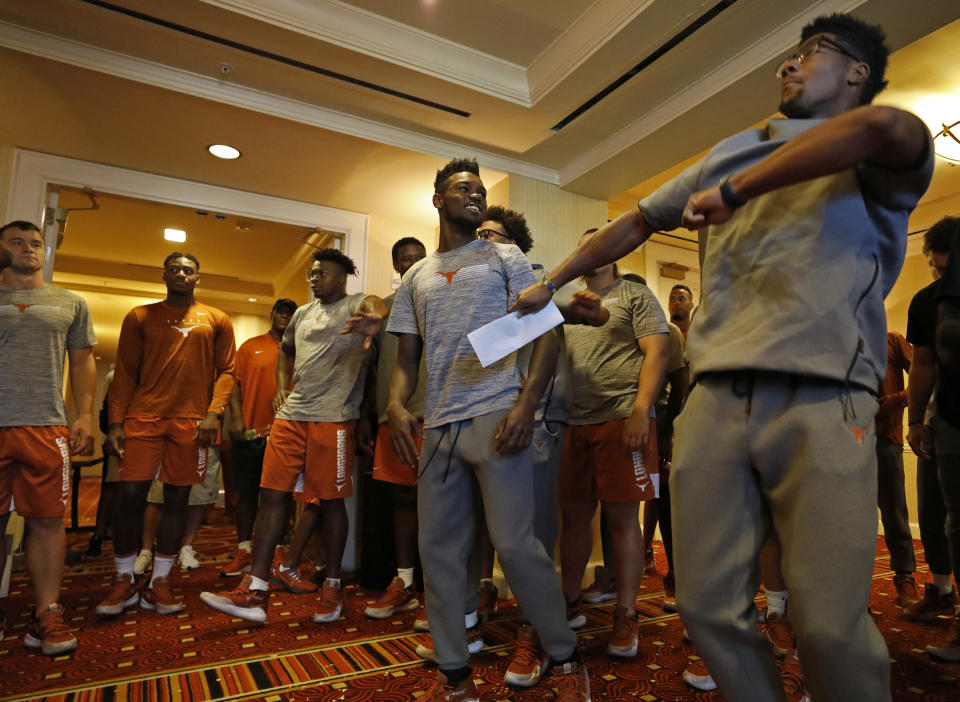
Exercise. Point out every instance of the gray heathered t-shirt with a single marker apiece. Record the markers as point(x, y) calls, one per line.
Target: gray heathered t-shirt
point(37, 327)
point(330, 367)
point(387, 345)
point(605, 361)
point(444, 297)
point(794, 282)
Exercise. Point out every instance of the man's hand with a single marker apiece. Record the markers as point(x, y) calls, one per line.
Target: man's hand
point(80, 434)
point(366, 323)
point(532, 299)
point(366, 438)
point(280, 398)
point(589, 306)
point(403, 427)
point(919, 439)
point(207, 429)
point(706, 207)
point(236, 428)
point(116, 440)
point(515, 430)
point(636, 429)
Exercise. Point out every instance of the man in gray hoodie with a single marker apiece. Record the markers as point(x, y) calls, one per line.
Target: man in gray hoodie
point(802, 228)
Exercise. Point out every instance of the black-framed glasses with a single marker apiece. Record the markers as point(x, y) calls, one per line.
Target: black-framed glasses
point(488, 234)
point(805, 53)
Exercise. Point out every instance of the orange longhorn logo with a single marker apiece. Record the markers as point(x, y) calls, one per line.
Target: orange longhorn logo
point(858, 432)
point(449, 276)
point(22, 308)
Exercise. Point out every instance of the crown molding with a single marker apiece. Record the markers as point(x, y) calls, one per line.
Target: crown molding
point(365, 32)
point(151, 73)
point(745, 62)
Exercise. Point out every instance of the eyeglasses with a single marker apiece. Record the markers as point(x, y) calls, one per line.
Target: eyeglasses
point(488, 234)
point(804, 53)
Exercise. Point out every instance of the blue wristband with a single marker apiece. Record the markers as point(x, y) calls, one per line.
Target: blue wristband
point(548, 285)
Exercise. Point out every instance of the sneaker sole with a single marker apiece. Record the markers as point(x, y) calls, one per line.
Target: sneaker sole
point(577, 622)
point(231, 574)
point(524, 679)
point(623, 651)
point(114, 610)
point(699, 682)
point(599, 597)
point(389, 611)
point(940, 653)
point(331, 617)
point(221, 604)
point(421, 625)
point(149, 606)
point(47, 648)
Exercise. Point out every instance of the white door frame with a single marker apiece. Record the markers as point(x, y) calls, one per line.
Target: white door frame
point(33, 172)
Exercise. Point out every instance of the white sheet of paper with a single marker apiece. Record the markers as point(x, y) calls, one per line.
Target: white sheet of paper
point(503, 336)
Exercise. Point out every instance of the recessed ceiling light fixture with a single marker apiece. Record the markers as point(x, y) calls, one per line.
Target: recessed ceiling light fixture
point(224, 151)
point(177, 235)
point(251, 299)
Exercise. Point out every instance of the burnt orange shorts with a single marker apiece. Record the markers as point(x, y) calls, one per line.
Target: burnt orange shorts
point(595, 465)
point(386, 463)
point(162, 448)
point(34, 470)
point(313, 460)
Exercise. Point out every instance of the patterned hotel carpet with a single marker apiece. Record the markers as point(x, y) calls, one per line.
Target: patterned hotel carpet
point(201, 654)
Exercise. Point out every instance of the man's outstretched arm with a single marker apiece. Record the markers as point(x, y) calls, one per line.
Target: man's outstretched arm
point(875, 134)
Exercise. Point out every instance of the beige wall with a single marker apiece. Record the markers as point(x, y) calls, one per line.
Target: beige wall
point(383, 232)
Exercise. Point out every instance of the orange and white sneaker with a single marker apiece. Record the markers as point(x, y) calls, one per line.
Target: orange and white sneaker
point(292, 580)
point(420, 621)
point(125, 593)
point(626, 634)
point(529, 659)
point(698, 677)
point(575, 616)
point(603, 589)
point(242, 601)
point(397, 598)
point(441, 690)
point(779, 633)
point(474, 644)
point(572, 681)
point(48, 633)
point(331, 604)
point(240, 564)
point(159, 597)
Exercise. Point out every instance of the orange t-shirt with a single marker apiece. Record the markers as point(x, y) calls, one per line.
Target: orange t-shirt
point(257, 378)
point(173, 362)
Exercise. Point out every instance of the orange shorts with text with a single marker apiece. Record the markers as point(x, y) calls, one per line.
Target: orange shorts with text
point(35, 470)
point(162, 448)
point(313, 460)
point(595, 465)
point(386, 463)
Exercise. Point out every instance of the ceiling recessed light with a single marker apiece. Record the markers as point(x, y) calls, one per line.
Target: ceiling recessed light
point(251, 299)
point(223, 151)
point(177, 235)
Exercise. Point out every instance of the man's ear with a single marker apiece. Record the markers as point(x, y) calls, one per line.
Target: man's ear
point(858, 74)
point(437, 200)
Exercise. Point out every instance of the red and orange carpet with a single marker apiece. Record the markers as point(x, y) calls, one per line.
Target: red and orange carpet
point(203, 655)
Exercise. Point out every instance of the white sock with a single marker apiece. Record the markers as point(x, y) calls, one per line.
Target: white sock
point(258, 584)
point(776, 601)
point(406, 575)
point(943, 583)
point(332, 581)
point(470, 620)
point(161, 567)
point(125, 563)
point(245, 546)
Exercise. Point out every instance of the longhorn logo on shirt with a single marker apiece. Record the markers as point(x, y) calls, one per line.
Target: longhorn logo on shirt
point(184, 330)
point(539, 445)
point(449, 276)
point(22, 308)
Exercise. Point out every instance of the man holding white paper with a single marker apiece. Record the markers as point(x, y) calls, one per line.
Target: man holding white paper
point(478, 424)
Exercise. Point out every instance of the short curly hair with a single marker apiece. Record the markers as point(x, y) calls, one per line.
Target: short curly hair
point(514, 224)
point(939, 237)
point(866, 41)
point(178, 254)
point(457, 165)
point(342, 260)
point(405, 241)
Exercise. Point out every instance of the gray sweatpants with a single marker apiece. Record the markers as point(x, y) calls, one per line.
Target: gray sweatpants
point(461, 458)
point(547, 448)
point(756, 451)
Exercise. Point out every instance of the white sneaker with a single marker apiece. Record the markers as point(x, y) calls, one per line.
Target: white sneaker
point(698, 677)
point(144, 561)
point(188, 559)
